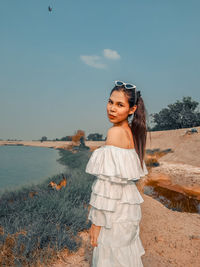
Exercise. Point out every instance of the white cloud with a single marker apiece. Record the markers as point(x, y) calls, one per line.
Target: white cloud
point(111, 54)
point(93, 61)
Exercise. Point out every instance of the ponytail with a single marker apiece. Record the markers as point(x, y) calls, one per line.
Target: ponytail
point(138, 127)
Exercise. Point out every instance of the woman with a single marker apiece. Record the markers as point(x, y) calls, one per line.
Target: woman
point(115, 201)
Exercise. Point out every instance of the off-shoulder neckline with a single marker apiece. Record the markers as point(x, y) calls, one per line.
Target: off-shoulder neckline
point(129, 149)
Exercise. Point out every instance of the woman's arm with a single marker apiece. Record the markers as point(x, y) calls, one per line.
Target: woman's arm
point(94, 233)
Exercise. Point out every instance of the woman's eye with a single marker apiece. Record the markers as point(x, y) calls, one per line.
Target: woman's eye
point(109, 101)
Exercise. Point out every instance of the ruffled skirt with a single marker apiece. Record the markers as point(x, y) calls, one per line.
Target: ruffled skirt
point(116, 208)
point(119, 246)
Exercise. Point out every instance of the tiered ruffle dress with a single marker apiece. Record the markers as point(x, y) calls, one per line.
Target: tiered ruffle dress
point(115, 206)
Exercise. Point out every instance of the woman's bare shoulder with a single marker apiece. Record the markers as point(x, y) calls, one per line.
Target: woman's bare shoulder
point(114, 136)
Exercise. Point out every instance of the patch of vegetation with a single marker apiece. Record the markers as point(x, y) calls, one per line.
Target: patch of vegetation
point(37, 221)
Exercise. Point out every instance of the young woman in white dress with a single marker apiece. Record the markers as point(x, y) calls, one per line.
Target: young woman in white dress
point(115, 210)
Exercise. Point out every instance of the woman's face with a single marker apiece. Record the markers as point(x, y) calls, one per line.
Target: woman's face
point(118, 107)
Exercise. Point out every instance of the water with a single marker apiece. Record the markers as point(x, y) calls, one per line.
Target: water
point(171, 199)
point(24, 165)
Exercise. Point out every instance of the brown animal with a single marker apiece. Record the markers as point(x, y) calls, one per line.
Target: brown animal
point(62, 183)
point(32, 194)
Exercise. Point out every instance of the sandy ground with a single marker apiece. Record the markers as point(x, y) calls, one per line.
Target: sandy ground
point(186, 147)
point(170, 238)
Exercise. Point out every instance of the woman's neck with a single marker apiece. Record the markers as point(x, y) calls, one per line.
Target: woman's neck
point(123, 124)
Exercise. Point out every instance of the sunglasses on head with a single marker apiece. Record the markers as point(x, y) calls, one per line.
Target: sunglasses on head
point(126, 85)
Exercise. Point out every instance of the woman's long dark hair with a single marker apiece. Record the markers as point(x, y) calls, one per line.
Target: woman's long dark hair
point(138, 123)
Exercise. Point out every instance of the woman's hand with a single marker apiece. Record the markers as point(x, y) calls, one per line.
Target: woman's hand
point(94, 233)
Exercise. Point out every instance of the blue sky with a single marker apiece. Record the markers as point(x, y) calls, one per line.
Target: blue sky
point(57, 69)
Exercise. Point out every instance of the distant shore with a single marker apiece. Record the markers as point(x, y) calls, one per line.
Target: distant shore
point(185, 147)
point(51, 144)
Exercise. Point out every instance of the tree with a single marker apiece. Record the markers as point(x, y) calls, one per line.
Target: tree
point(77, 135)
point(95, 137)
point(66, 138)
point(181, 114)
point(44, 138)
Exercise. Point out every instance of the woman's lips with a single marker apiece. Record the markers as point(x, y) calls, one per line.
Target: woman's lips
point(111, 116)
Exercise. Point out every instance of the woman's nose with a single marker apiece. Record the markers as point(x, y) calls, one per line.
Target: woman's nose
point(112, 108)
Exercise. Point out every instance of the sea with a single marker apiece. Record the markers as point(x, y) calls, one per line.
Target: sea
point(26, 165)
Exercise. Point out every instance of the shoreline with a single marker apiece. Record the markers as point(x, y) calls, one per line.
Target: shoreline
point(51, 144)
point(180, 169)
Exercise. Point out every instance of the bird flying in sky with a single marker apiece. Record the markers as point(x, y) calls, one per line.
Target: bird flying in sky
point(49, 8)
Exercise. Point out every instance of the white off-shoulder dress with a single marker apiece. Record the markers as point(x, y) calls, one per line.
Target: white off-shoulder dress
point(115, 206)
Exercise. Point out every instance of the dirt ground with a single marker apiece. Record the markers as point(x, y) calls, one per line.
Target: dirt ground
point(169, 238)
